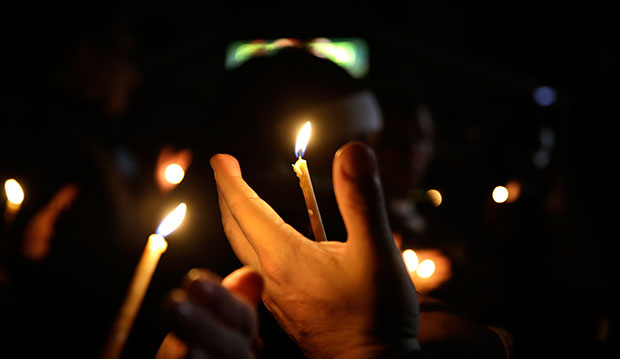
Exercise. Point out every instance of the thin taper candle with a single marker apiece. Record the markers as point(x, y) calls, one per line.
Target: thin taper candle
point(155, 247)
point(301, 170)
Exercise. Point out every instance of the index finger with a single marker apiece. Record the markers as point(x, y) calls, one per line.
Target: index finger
point(262, 226)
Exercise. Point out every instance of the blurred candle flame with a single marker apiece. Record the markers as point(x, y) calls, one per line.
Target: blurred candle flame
point(14, 192)
point(172, 221)
point(174, 173)
point(500, 194)
point(302, 139)
point(411, 260)
point(426, 268)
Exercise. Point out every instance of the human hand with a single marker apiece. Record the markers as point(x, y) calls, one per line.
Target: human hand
point(212, 319)
point(350, 299)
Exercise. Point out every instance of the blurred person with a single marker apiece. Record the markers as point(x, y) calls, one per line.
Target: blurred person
point(87, 168)
point(61, 243)
point(405, 148)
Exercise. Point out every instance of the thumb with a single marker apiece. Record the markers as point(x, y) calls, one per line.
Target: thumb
point(245, 282)
point(360, 197)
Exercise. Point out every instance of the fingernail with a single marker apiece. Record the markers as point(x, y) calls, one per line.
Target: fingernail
point(359, 160)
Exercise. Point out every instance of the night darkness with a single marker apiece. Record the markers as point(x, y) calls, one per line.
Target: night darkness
point(89, 95)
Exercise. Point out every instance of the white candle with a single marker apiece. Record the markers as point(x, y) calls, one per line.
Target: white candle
point(155, 247)
point(301, 169)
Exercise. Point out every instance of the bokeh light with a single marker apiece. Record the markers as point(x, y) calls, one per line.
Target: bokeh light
point(545, 96)
point(514, 191)
point(434, 196)
point(14, 192)
point(500, 194)
point(174, 173)
point(426, 268)
point(411, 260)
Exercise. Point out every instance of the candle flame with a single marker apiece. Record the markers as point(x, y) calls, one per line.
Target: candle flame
point(500, 194)
point(14, 192)
point(411, 260)
point(174, 173)
point(426, 269)
point(302, 139)
point(172, 221)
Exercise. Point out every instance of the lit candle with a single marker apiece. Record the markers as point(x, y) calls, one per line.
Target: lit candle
point(14, 198)
point(301, 169)
point(155, 247)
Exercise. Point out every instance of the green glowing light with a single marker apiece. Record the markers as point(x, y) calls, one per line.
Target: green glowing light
point(351, 54)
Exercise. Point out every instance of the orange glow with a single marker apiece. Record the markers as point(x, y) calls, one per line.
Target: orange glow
point(284, 42)
point(426, 269)
point(171, 167)
point(302, 139)
point(500, 194)
point(174, 173)
point(411, 260)
point(433, 270)
point(14, 192)
point(514, 191)
point(172, 221)
point(434, 196)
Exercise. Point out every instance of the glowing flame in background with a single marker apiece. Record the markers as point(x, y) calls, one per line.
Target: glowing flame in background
point(14, 192)
point(174, 173)
point(426, 269)
point(500, 194)
point(411, 260)
point(172, 221)
point(302, 139)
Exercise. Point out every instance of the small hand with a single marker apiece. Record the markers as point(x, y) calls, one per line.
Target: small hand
point(212, 319)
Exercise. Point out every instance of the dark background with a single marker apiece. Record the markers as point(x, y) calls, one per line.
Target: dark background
point(542, 267)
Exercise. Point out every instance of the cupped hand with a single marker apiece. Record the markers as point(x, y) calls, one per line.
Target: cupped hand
point(336, 299)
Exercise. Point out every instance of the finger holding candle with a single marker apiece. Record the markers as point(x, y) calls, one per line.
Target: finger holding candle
point(301, 170)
